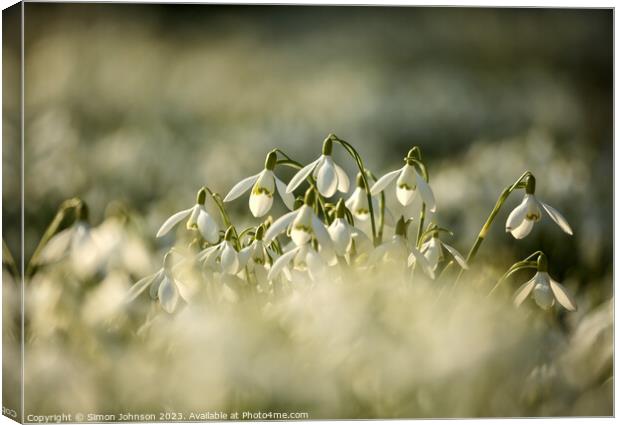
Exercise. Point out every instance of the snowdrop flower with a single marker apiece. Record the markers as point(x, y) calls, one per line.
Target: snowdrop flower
point(77, 242)
point(263, 187)
point(521, 220)
point(223, 257)
point(398, 250)
point(303, 225)
point(329, 176)
point(358, 204)
point(304, 258)
point(199, 218)
point(162, 287)
point(545, 290)
point(258, 257)
point(343, 234)
point(433, 251)
point(407, 180)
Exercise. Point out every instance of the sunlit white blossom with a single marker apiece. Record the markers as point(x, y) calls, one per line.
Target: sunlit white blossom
point(521, 220)
point(433, 251)
point(224, 257)
point(199, 218)
point(329, 176)
point(264, 185)
point(407, 181)
point(545, 292)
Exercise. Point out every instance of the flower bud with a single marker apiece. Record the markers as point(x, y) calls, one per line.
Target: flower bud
point(328, 145)
point(81, 211)
point(201, 196)
point(340, 209)
point(259, 233)
point(309, 198)
point(270, 160)
point(401, 227)
point(541, 264)
point(530, 184)
point(229, 233)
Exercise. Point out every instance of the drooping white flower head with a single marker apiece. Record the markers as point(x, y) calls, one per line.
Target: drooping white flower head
point(301, 258)
point(433, 251)
point(521, 220)
point(163, 286)
point(303, 225)
point(199, 219)
point(79, 244)
point(407, 181)
point(258, 257)
point(358, 204)
point(545, 290)
point(264, 185)
point(399, 251)
point(343, 234)
point(223, 257)
point(329, 176)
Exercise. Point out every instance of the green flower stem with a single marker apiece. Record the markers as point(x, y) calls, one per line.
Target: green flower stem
point(487, 225)
point(381, 210)
point(225, 217)
point(526, 263)
point(360, 164)
point(9, 261)
point(421, 225)
point(296, 165)
point(51, 230)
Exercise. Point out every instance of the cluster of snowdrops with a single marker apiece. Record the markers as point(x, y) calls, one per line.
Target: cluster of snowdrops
point(324, 235)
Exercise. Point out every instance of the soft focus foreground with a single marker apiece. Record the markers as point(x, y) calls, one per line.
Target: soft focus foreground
point(151, 115)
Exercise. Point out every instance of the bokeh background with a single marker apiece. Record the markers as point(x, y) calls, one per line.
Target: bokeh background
point(144, 104)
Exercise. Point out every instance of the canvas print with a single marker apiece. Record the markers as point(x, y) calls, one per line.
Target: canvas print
point(234, 212)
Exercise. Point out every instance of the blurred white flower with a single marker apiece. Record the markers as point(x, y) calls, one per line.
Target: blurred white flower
point(545, 291)
point(399, 251)
point(223, 258)
point(303, 225)
point(343, 234)
point(521, 220)
point(304, 258)
point(329, 176)
point(263, 187)
point(433, 251)
point(199, 218)
point(162, 286)
point(357, 203)
point(407, 180)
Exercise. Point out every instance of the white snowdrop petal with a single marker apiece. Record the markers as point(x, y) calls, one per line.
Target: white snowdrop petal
point(432, 253)
point(523, 292)
point(301, 176)
point(172, 221)
point(557, 217)
point(281, 262)
point(321, 233)
point(241, 187)
point(208, 227)
point(457, 256)
point(523, 229)
point(57, 247)
point(229, 260)
point(140, 286)
point(343, 179)
point(287, 198)
point(562, 296)
point(426, 193)
point(244, 255)
point(421, 260)
point(260, 203)
point(326, 179)
point(517, 216)
point(340, 234)
point(279, 226)
point(382, 183)
point(168, 295)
